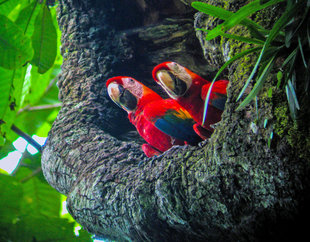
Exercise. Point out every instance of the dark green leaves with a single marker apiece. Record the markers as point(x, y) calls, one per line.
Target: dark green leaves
point(44, 41)
point(15, 47)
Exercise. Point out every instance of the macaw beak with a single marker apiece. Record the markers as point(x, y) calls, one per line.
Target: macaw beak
point(122, 97)
point(174, 86)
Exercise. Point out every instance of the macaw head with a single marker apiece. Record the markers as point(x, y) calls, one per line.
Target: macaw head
point(127, 92)
point(175, 79)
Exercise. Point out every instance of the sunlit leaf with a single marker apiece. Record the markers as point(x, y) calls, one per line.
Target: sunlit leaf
point(237, 17)
point(6, 6)
point(26, 18)
point(39, 198)
point(29, 211)
point(5, 149)
point(225, 14)
point(16, 82)
point(39, 84)
point(9, 204)
point(5, 89)
point(44, 41)
point(15, 47)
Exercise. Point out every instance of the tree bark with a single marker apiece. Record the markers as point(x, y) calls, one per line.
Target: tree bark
point(232, 187)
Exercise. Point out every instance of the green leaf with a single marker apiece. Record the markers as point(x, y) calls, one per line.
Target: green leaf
point(302, 52)
point(292, 99)
point(290, 57)
point(240, 15)
point(243, 39)
point(278, 26)
point(26, 18)
point(269, 93)
point(270, 139)
point(5, 149)
point(15, 47)
point(40, 199)
point(44, 41)
point(6, 6)
point(279, 78)
point(258, 85)
point(9, 204)
point(265, 123)
point(5, 90)
point(234, 58)
point(13, 86)
point(29, 211)
point(40, 83)
point(224, 15)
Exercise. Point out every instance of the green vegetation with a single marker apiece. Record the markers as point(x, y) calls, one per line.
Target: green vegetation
point(30, 60)
point(287, 42)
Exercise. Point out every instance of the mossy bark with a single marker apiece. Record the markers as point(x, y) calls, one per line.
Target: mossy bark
point(237, 186)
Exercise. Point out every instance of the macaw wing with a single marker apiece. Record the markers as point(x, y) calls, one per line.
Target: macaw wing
point(218, 95)
point(174, 122)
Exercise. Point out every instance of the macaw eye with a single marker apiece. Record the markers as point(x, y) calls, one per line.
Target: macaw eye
point(127, 99)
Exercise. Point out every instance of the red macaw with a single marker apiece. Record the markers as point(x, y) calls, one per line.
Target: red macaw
point(190, 91)
point(161, 122)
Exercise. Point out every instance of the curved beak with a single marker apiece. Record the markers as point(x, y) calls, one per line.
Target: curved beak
point(174, 86)
point(122, 97)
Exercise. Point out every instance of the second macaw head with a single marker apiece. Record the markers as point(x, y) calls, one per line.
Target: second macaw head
point(129, 93)
point(177, 80)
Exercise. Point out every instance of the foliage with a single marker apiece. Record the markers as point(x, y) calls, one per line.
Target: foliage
point(288, 40)
point(29, 211)
point(30, 61)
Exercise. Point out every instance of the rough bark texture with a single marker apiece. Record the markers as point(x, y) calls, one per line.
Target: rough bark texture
point(233, 187)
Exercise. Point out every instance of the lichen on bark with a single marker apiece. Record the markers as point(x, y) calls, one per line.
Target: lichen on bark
point(232, 187)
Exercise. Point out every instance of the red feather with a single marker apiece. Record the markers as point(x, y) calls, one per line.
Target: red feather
point(194, 96)
point(150, 108)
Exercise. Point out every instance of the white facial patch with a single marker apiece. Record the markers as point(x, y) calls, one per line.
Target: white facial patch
point(180, 72)
point(133, 86)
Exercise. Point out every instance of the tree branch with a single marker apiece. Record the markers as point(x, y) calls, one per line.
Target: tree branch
point(41, 107)
point(28, 138)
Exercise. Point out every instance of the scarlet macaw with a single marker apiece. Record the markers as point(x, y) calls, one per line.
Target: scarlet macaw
point(161, 122)
point(190, 91)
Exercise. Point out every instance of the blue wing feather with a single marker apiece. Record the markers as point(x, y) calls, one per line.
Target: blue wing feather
point(172, 124)
point(219, 102)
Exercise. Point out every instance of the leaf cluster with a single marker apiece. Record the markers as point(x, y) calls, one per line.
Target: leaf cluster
point(30, 59)
point(29, 211)
point(288, 40)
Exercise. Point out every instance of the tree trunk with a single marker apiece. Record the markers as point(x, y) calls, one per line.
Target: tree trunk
point(240, 185)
